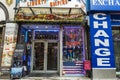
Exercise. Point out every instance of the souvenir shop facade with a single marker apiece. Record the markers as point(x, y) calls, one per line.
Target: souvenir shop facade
point(56, 35)
point(53, 34)
point(56, 40)
point(104, 33)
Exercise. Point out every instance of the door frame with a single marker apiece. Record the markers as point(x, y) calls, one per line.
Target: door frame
point(45, 56)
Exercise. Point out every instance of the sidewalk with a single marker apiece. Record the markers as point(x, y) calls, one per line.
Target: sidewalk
point(61, 78)
point(55, 78)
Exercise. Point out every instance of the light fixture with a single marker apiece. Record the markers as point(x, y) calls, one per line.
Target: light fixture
point(9, 2)
point(46, 27)
point(37, 27)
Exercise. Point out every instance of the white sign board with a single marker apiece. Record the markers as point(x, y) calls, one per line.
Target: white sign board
point(53, 3)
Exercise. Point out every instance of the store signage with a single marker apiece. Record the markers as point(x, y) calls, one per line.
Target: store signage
point(9, 44)
point(109, 5)
point(52, 3)
point(101, 41)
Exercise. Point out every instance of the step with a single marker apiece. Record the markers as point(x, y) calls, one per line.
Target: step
point(55, 78)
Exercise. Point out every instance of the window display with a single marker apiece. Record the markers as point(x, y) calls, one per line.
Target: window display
point(73, 51)
point(25, 37)
point(10, 39)
point(18, 62)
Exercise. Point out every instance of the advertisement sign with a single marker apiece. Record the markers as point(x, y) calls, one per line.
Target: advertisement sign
point(105, 5)
point(73, 51)
point(51, 3)
point(101, 41)
point(9, 44)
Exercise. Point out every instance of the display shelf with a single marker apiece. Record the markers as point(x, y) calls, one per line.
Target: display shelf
point(17, 69)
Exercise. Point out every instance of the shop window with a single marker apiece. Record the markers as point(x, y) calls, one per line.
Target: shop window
point(73, 51)
point(116, 41)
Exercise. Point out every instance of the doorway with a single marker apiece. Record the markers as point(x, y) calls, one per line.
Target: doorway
point(45, 56)
point(44, 44)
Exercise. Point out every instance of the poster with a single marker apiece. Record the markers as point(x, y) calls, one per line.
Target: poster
point(9, 43)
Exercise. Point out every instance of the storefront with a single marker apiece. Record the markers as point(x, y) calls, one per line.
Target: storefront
point(46, 41)
point(54, 36)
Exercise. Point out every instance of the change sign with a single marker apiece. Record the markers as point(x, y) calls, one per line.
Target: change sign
point(105, 5)
point(101, 41)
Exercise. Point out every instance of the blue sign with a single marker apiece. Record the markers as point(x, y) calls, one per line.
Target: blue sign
point(101, 41)
point(115, 20)
point(105, 5)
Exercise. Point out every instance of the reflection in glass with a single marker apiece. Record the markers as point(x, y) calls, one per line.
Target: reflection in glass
point(38, 63)
point(117, 55)
point(52, 56)
point(116, 39)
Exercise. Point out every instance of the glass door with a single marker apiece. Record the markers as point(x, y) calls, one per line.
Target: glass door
point(52, 56)
point(38, 57)
point(45, 56)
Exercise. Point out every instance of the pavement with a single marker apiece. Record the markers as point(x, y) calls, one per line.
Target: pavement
point(51, 77)
point(55, 78)
point(58, 78)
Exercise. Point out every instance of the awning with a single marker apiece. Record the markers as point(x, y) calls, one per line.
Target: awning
point(49, 14)
point(35, 10)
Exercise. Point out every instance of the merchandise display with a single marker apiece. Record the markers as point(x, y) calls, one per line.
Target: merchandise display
point(73, 51)
point(50, 17)
point(18, 63)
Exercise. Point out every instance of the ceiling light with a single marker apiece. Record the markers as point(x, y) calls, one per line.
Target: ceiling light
point(37, 27)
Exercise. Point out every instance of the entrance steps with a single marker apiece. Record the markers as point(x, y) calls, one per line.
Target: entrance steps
point(55, 78)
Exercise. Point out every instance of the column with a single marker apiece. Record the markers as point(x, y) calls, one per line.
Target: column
point(61, 49)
